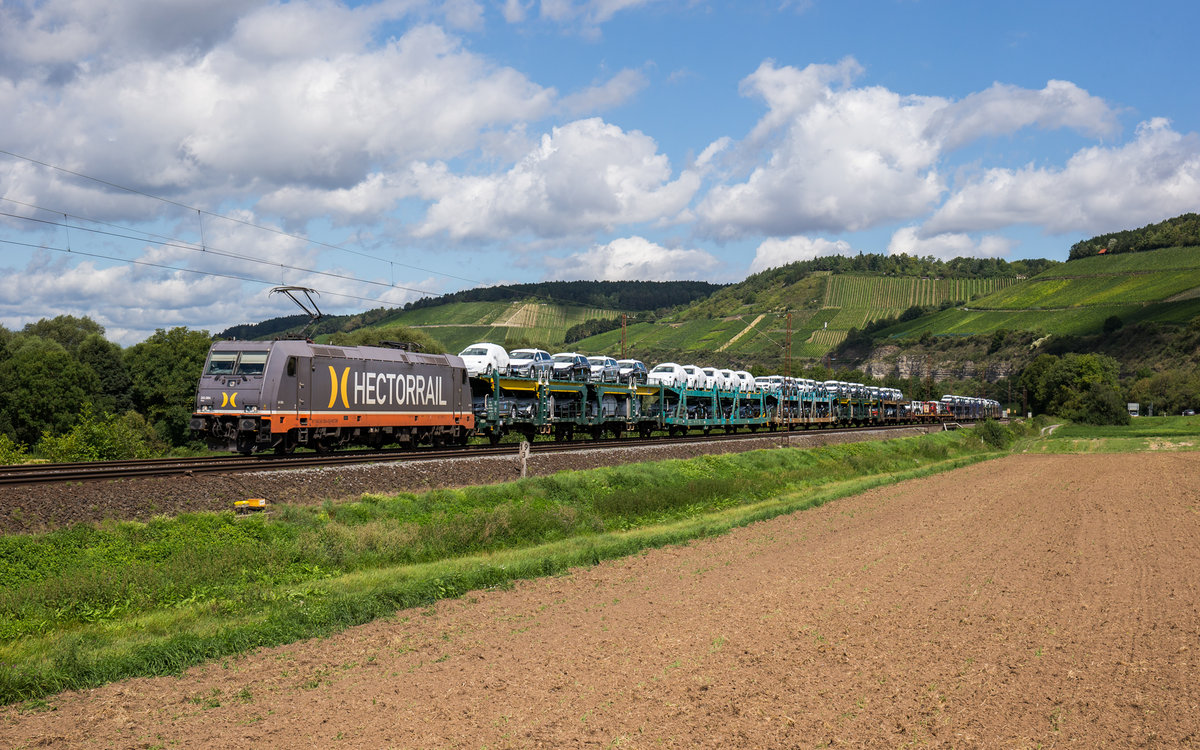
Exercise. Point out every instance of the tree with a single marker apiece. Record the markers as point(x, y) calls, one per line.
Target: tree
point(375, 336)
point(66, 330)
point(164, 371)
point(42, 388)
point(108, 362)
point(1081, 387)
point(1170, 391)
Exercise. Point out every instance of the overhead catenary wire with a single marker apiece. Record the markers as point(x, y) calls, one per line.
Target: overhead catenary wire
point(234, 219)
point(210, 251)
point(274, 230)
point(217, 274)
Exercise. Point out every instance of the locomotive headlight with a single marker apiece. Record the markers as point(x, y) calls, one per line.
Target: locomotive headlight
point(250, 408)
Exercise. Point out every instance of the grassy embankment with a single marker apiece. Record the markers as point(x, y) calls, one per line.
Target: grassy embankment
point(91, 604)
point(1143, 434)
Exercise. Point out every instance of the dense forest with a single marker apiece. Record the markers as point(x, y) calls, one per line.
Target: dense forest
point(1181, 231)
point(903, 265)
point(265, 329)
point(614, 295)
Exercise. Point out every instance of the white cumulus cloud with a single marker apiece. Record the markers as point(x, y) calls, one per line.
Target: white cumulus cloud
point(584, 176)
point(633, 259)
point(945, 246)
point(1155, 176)
point(294, 95)
point(1004, 108)
point(829, 156)
point(776, 251)
point(838, 159)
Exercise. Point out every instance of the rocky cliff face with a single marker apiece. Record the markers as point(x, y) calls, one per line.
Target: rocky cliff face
point(954, 365)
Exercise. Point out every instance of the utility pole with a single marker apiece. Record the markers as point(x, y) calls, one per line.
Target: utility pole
point(624, 319)
point(787, 365)
point(928, 379)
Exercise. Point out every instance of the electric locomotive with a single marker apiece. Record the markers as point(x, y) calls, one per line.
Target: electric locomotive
point(256, 396)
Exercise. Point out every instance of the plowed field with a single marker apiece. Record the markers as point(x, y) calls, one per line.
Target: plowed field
point(1033, 601)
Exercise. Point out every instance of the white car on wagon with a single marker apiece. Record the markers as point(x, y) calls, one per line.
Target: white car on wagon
point(484, 359)
point(668, 374)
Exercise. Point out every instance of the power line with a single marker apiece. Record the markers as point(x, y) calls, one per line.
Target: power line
point(173, 242)
point(184, 270)
point(205, 250)
point(233, 219)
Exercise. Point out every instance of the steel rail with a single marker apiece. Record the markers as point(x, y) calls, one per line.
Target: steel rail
point(31, 474)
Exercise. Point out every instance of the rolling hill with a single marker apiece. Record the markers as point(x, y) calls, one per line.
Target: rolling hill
point(748, 323)
point(1078, 297)
point(829, 307)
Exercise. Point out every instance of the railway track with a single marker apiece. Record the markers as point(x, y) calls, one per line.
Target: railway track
point(60, 473)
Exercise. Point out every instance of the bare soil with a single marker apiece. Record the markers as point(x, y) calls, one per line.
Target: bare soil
point(1032, 601)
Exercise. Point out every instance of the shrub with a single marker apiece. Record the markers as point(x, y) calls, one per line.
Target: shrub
point(994, 434)
point(12, 452)
point(102, 437)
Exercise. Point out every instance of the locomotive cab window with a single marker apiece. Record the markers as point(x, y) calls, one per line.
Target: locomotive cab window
point(237, 363)
point(251, 363)
point(291, 367)
point(221, 363)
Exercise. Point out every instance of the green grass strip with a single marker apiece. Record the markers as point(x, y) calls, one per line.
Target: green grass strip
point(1141, 435)
point(93, 604)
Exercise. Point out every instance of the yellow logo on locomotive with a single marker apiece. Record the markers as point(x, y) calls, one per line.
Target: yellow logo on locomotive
point(229, 399)
point(334, 390)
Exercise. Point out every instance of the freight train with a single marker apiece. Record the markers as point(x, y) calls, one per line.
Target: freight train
point(257, 396)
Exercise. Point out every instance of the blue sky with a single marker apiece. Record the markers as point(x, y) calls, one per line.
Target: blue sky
point(190, 154)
